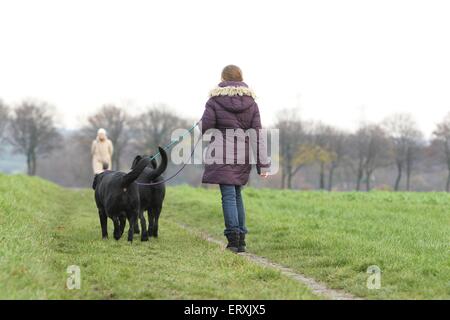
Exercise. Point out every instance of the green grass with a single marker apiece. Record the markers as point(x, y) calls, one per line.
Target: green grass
point(45, 228)
point(334, 237)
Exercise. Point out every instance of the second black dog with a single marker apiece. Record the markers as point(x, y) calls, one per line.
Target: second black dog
point(151, 197)
point(117, 197)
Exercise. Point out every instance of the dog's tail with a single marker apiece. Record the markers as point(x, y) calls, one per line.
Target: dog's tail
point(131, 176)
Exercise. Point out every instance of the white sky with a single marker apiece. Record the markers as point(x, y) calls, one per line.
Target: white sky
point(328, 57)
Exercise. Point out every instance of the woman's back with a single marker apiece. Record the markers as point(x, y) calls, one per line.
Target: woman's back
point(234, 105)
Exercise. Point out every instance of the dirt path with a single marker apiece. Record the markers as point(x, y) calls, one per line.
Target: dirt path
point(316, 287)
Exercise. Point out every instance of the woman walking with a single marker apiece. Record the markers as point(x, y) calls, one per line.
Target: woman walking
point(232, 106)
point(102, 150)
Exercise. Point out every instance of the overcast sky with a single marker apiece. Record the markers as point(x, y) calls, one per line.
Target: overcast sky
point(338, 61)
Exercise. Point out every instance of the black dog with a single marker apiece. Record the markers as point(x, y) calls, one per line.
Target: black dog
point(117, 197)
point(151, 197)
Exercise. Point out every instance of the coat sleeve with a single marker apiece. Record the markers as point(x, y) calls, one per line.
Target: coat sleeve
point(262, 159)
point(111, 148)
point(93, 148)
point(208, 120)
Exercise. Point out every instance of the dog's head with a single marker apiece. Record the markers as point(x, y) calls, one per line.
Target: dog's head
point(139, 158)
point(136, 161)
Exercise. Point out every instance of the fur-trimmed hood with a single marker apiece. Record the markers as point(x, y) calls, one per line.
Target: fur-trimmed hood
point(232, 88)
point(234, 96)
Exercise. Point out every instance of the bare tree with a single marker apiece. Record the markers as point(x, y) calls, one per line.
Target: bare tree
point(154, 127)
point(413, 156)
point(372, 151)
point(330, 152)
point(324, 156)
point(442, 134)
point(115, 121)
point(405, 139)
point(291, 139)
point(4, 118)
point(338, 148)
point(359, 141)
point(33, 132)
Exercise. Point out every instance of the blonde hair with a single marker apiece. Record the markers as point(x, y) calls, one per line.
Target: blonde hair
point(101, 131)
point(232, 73)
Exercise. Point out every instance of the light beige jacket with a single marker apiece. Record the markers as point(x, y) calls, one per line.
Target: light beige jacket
point(102, 152)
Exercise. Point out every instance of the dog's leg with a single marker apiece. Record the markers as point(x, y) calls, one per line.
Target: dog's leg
point(132, 218)
point(157, 213)
point(123, 223)
point(144, 235)
point(117, 233)
point(103, 223)
point(136, 228)
point(151, 220)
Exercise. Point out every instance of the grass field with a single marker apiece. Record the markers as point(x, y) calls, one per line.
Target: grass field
point(335, 237)
point(45, 228)
point(332, 237)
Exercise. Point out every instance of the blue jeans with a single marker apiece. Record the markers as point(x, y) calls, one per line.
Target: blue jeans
point(233, 209)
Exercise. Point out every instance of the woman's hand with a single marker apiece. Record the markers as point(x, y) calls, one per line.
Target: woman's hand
point(264, 175)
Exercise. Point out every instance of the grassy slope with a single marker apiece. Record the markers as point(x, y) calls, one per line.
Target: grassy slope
point(334, 237)
point(45, 228)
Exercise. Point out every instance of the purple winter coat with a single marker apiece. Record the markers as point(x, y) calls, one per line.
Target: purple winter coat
point(232, 106)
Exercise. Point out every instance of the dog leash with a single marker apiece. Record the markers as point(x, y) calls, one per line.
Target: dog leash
point(173, 142)
point(169, 146)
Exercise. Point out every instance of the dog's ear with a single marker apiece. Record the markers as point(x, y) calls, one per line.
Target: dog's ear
point(136, 161)
point(95, 182)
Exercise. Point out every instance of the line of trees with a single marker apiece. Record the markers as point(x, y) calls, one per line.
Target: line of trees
point(396, 144)
point(392, 154)
point(29, 129)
